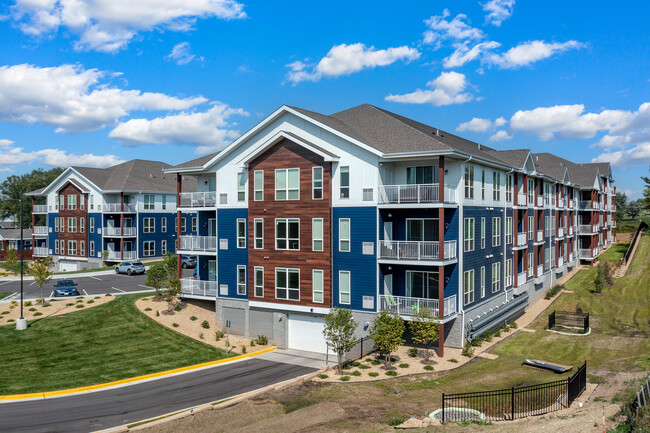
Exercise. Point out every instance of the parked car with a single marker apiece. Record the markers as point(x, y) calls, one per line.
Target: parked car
point(129, 268)
point(188, 262)
point(65, 288)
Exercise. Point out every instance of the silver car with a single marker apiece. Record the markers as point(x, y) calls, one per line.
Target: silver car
point(129, 268)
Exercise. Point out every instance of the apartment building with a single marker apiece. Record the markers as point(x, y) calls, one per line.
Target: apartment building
point(368, 210)
point(127, 210)
point(10, 240)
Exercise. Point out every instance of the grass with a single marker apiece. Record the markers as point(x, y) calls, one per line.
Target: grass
point(16, 267)
point(106, 343)
point(628, 225)
point(4, 294)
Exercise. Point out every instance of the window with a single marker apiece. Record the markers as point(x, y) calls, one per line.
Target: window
point(508, 272)
point(164, 202)
point(344, 287)
point(422, 175)
point(72, 248)
point(62, 224)
point(148, 225)
point(482, 281)
point(287, 184)
point(317, 234)
point(72, 225)
point(91, 222)
point(317, 285)
point(469, 234)
point(81, 205)
point(546, 225)
point(482, 184)
point(72, 202)
point(91, 199)
point(367, 194)
point(546, 257)
point(509, 188)
point(241, 233)
point(531, 228)
point(163, 225)
point(241, 186)
point(241, 279)
point(258, 233)
point(344, 234)
point(317, 183)
point(531, 191)
point(92, 249)
point(496, 186)
point(469, 181)
point(223, 199)
point(82, 248)
point(468, 287)
point(82, 225)
point(56, 225)
point(56, 247)
point(149, 202)
point(195, 224)
point(496, 232)
point(496, 277)
point(482, 232)
point(345, 182)
point(62, 200)
point(259, 281)
point(149, 248)
point(62, 247)
point(530, 264)
point(183, 224)
point(508, 230)
point(287, 234)
point(258, 185)
point(163, 247)
point(287, 284)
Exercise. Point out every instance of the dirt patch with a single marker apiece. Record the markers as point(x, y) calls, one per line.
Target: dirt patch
point(57, 307)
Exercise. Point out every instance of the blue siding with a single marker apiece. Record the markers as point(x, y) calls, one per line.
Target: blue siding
point(52, 236)
point(233, 256)
point(96, 235)
point(363, 268)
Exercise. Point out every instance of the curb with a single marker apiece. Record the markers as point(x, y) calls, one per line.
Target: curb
point(130, 381)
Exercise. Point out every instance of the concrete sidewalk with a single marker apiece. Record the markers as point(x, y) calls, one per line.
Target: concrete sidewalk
point(299, 357)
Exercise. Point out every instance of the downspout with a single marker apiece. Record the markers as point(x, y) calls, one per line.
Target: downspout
point(461, 280)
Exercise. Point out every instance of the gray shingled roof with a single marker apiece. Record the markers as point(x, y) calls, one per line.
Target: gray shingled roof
point(198, 162)
point(516, 158)
point(583, 175)
point(604, 167)
point(14, 234)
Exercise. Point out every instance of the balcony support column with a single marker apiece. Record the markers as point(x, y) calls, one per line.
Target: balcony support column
point(515, 266)
point(179, 188)
point(441, 179)
point(34, 223)
point(441, 310)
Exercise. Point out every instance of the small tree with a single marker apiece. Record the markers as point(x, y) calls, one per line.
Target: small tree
point(105, 257)
point(608, 273)
point(425, 330)
point(42, 272)
point(157, 277)
point(634, 208)
point(162, 275)
point(11, 257)
point(599, 279)
point(387, 331)
point(339, 332)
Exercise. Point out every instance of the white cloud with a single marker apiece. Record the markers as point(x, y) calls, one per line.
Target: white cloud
point(447, 89)
point(458, 29)
point(11, 156)
point(346, 59)
point(462, 54)
point(478, 124)
point(181, 54)
point(498, 11)
point(210, 129)
point(500, 122)
point(73, 99)
point(637, 155)
point(109, 25)
point(530, 52)
point(501, 136)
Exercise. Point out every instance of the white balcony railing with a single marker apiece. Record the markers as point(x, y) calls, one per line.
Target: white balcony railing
point(570, 257)
point(521, 240)
point(40, 230)
point(540, 236)
point(588, 228)
point(521, 279)
point(614, 224)
point(560, 261)
point(570, 230)
point(415, 250)
point(198, 199)
point(198, 243)
point(560, 232)
point(540, 200)
point(540, 270)
point(190, 286)
point(522, 199)
point(530, 272)
point(39, 208)
point(408, 306)
point(590, 253)
point(119, 256)
point(570, 203)
point(120, 231)
point(560, 202)
point(40, 252)
point(118, 207)
point(412, 194)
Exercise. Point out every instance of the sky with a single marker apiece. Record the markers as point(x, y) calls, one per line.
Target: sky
point(99, 82)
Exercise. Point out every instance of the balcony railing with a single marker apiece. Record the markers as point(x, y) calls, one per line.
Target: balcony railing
point(614, 224)
point(416, 250)
point(117, 207)
point(540, 270)
point(521, 240)
point(560, 232)
point(560, 202)
point(530, 272)
point(570, 230)
point(588, 228)
point(39, 208)
point(521, 279)
point(570, 203)
point(126, 255)
point(198, 243)
point(522, 199)
point(560, 261)
point(120, 231)
point(408, 306)
point(570, 257)
point(40, 252)
point(40, 230)
point(198, 199)
point(540, 236)
point(413, 194)
point(590, 253)
point(190, 286)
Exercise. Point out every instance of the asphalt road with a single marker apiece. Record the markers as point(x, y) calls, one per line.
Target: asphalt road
point(114, 407)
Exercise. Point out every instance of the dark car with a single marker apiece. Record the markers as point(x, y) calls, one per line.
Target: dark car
point(129, 268)
point(65, 288)
point(188, 262)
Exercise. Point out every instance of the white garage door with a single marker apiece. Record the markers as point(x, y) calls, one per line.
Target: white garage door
point(306, 333)
point(68, 266)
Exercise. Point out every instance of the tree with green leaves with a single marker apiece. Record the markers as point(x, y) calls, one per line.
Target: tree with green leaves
point(162, 275)
point(599, 279)
point(646, 192)
point(42, 272)
point(634, 208)
point(339, 332)
point(11, 257)
point(425, 330)
point(388, 331)
point(156, 277)
point(15, 187)
point(621, 203)
point(105, 256)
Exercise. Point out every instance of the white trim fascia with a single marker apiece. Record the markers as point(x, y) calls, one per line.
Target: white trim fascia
point(394, 156)
point(48, 188)
point(288, 307)
point(328, 157)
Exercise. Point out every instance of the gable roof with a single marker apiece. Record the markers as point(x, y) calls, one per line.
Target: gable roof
point(583, 175)
point(14, 234)
point(605, 168)
point(516, 158)
point(198, 162)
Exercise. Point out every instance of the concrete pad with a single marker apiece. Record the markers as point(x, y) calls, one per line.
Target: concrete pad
point(298, 357)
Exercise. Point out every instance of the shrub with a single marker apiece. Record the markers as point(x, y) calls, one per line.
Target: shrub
point(322, 376)
point(391, 373)
point(488, 336)
point(368, 359)
point(90, 301)
point(375, 362)
point(157, 313)
point(355, 363)
point(193, 318)
point(347, 367)
point(205, 324)
point(428, 367)
point(201, 335)
point(403, 365)
point(5, 312)
point(168, 299)
point(395, 421)
point(513, 325)
point(28, 303)
point(46, 305)
point(178, 308)
point(108, 294)
point(553, 291)
point(505, 328)
point(218, 334)
point(364, 367)
point(373, 374)
point(79, 301)
point(344, 378)
point(70, 304)
point(40, 301)
point(98, 297)
point(175, 325)
point(413, 352)
point(497, 332)
point(262, 340)
point(243, 349)
point(468, 350)
point(38, 313)
point(356, 373)
point(599, 279)
point(32, 309)
point(252, 343)
point(147, 309)
point(79, 306)
point(454, 360)
point(10, 321)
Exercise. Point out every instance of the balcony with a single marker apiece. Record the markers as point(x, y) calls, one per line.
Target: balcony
point(521, 279)
point(198, 199)
point(560, 202)
point(540, 201)
point(588, 254)
point(119, 256)
point(588, 229)
point(119, 208)
point(39, 208)
point(120, 231)
point(408, 306)
point(560, 232)
point(39, 230)
point(199, 243)
point(520, 241)
point(560, 261)
point(539, 236)
point(416, 250)
point(570, 231)
point(522, 200)
point(415, 194)
point(571, 204)
point(570, 257)
point(530, 272)
point(613, 224)
point(192, 287)
point(40, 252)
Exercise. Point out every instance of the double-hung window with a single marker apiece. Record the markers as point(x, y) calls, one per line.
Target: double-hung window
point(508, 230)
point(345, 182)
point(531, 191)
point(344, 234)
point(241, 186)
point(82, 205)
point(164, 202)
point(531, 227)
point(91, 225)
point(149, 202)
point(287, 284)
point(508, 272)
point(82, 247)
point(149, 248)
point(62, 248)
point(241, 279)
point(259, 282)
point(62, 202)
point(62, 224)
point(56, 225)
point(317, 183)
point(468, 287)
point(91, 200)
point(163, 247)
point(148, 225)
point(163, 225)
point(546, 224)
point(482, 233)
point(469, 181)
point(344, 287)
point(287, 184)
point(82, 224)
point(469, 234)
point(317, 234)
point(482, 184)
point(195, 224)
point(530, 264)
point(509, 188)
point(496, 232)
point(72, 202)
point(496, 186)
point(496, 277)
point(258, 185)
point(482, 281)
point(91, 248)
point(56, 247)
point(258, 233)
point(241, 233)
point(72, 248)
point(183, 225)
point(72, 225)
point(287, 234)
point(317, 285)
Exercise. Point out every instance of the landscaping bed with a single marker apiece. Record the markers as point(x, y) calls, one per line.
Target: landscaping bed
point(35, 311)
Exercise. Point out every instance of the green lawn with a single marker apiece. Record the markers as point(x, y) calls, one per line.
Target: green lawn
point(102, 344)
point(16, 267)
point(4, 294)
point(627, 225)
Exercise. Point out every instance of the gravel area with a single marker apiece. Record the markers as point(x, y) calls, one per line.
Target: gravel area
point(10, 311)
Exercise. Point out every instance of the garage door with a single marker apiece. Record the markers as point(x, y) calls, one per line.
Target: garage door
point(68, 266)
point(236, 317)
point(261, 324)
point(306, 333)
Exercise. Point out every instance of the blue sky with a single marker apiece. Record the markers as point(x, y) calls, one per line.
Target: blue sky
point(103, 81)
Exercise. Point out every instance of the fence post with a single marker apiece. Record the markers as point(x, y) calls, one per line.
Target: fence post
point(586, 324)
point(512, 402)
point(443, 407)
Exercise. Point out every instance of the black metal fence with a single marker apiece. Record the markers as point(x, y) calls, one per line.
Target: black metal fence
point(571, 322)
point(363, 347)
point(635, 238)
point(513, 403)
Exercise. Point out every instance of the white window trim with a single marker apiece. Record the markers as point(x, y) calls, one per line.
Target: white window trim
point(144, 248)
point(241, 220)
point(322, 181)
point(255, 187)
point(255, 234)
point(482, 282)
point(346, 239)
point(286, 220)
point(496, 227)
point(483, 230)
point(349, 291)
point(245, 283)
point(467, 236)
point(470, 292)
point(287, 188)
point(313, 236)
point(286, 270)
point(496, 277)
point(257, 269)
point(322, 290)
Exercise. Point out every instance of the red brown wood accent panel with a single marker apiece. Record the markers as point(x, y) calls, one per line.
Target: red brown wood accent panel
point(77, 213)
point(287, 154)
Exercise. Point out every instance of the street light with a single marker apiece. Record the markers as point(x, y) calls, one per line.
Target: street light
point(21, 324)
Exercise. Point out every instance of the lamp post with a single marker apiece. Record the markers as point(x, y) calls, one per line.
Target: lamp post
point(21, 324)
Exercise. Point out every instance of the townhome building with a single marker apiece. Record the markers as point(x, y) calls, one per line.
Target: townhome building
point(123, 212)
point(10, 240)
point(368, 210)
